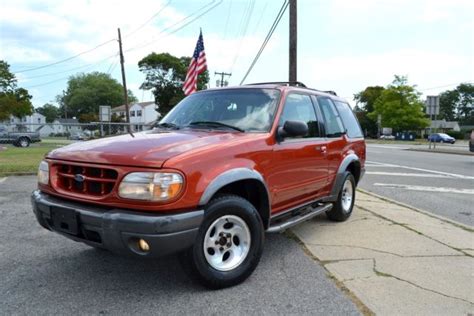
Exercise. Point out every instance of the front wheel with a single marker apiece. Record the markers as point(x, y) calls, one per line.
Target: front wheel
point(229, 242)
point(342, 208)
point(24, 142)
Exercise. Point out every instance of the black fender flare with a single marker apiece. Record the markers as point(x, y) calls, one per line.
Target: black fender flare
point(231, 176)
point(340, 176)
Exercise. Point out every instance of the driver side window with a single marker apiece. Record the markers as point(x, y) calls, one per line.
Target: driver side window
point(299, 107)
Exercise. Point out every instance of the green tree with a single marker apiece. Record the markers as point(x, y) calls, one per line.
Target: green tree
point(458, 104)
point(86, 92)
point(165, 75)
point(13, 100)
point(400, 107)
point(50, 111)
point(365, 101)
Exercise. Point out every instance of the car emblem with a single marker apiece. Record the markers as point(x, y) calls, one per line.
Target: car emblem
point(79, 178)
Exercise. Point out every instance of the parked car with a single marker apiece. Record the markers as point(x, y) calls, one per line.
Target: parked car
point(220, 170)
point(78, 136)
point(471, 141)
point(387, 137)
point(18, 139)
point(441, 138)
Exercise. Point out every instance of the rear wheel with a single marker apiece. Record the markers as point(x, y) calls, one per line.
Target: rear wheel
point(229, 242)
point(342, 208)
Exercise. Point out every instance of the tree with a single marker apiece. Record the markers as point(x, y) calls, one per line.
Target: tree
point(165, 75)
point(365, 101)
point(400, 107)
point(86, 92)
point(458, 104)
point(13, 100)
point(50, 111)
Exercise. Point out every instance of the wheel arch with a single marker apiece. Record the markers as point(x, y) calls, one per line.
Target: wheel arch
point(350, 163)
point(244, 182)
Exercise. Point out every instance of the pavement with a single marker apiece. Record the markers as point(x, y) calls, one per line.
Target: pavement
point(387, 259)
point(397, 260)
point(439, 183)
point(43, 273)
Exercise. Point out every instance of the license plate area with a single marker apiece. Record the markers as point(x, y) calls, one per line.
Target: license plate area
point(65, 220)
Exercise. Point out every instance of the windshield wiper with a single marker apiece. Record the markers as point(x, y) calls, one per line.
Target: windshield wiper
point(167, 125)
point(216, 124)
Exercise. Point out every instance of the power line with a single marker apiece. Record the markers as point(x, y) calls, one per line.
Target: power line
point(267, 38)
point(444, 86)
point(149, 20)
point(245, 23)
point(177, 23)
point(66, 59)
point(70, 69)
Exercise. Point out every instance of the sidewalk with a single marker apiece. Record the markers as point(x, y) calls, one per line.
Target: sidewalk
point(397, 260)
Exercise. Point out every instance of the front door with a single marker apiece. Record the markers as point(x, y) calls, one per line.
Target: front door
point(299, 167)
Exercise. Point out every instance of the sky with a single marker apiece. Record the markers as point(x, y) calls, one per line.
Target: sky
point(343, 45)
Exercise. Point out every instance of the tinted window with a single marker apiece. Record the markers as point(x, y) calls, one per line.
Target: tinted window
point(248, 109)
point(333, 123)
point(349, 119)
point(299, 107)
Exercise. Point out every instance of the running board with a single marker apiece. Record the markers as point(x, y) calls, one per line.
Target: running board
point(292, 221)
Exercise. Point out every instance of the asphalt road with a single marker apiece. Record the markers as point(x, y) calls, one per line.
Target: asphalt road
point(44, 273)
point(439, 183)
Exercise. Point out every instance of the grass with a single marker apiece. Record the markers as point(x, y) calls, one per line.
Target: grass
point(15, 160)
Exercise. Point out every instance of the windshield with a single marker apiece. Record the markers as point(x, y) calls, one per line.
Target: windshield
point(239, 109)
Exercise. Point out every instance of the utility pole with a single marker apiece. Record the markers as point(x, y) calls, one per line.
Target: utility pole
point(124, 81)
point(293, 35)
point(222, 74)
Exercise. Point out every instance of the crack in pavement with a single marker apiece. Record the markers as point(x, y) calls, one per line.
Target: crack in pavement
point(383, 274)
point(414, 230)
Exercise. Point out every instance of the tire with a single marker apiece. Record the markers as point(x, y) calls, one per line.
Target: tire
point(224, 261)
point(23, 142)
point(342, 208)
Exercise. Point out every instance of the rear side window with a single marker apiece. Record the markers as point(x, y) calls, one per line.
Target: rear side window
point(299, 107)
point(333, 123)
point(349, 119)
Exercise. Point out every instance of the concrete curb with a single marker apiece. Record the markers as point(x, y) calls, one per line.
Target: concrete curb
point(14, 174)
point(441, 218)
point(435, 151)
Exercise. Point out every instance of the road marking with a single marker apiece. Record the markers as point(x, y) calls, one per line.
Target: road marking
point(423, 188)
point(454, 175)
point(400, 174)
point(3, 179)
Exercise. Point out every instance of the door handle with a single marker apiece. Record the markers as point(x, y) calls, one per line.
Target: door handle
point(322, 149)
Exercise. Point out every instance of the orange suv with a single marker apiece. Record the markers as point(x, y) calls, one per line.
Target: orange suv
point(220, 170)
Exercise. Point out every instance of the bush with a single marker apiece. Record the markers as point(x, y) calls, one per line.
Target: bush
point(457, 135)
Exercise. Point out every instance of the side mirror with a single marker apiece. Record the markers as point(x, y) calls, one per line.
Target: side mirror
point(293, 129)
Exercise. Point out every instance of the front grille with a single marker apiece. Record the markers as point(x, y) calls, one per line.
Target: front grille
point(85, 179)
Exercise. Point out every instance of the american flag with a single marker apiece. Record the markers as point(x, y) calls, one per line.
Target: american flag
point(197, 66)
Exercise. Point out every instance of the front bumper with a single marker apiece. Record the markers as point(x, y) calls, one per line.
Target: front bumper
point(116, 229)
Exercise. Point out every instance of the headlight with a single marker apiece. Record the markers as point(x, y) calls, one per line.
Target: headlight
point(151, 186)
point(43, 172)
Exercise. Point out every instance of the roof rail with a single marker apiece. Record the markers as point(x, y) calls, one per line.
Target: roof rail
point(281, 83)
point(331, 92)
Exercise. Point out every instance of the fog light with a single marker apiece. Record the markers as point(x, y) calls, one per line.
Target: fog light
point(143, 245)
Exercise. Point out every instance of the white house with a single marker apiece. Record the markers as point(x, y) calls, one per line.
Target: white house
point(28, 123)
point(141, 113)
point(59, 126)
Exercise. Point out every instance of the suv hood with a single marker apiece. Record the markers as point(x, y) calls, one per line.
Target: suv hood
point(146, 149)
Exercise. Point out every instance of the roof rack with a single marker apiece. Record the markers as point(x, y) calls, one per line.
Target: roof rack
point(281, 83)
point(291, 83)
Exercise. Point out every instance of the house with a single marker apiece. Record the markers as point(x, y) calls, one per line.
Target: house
point(141, 113)
point(28, 123)
point(60, 127)
point(444, 126)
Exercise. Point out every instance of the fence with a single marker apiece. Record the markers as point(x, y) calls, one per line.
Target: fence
point(72, 131)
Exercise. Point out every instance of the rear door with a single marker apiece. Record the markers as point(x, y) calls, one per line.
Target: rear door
point(299, 167)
